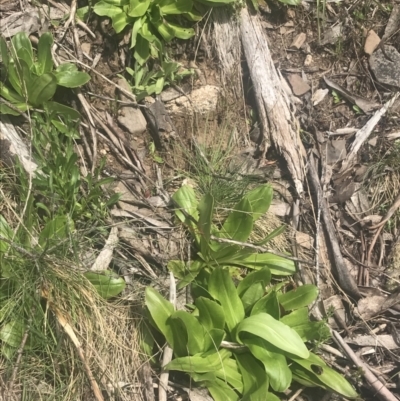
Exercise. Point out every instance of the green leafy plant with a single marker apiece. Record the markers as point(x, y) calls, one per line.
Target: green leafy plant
point(154, 23)
point(29, 79)
point(148, 81)
point(197, 216)
point(268, 326)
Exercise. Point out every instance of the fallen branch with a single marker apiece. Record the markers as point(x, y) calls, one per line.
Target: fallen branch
point(343, 276)
point(380, 390)
point(277, 115)
point(365, 132)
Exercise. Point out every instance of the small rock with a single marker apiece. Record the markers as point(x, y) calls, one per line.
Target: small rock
point(169, 94)
point(86, 47)
point(298, 85)
point(298, 41)
point(319, 96)
point(130, 117)
point(332, 34)
point(291, 13)
point(202, 100)
point(371, 42)
point(308, 60)
point(386, 71)
point(267, 25)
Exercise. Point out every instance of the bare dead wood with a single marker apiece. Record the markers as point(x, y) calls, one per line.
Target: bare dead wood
point(365, 132)
point(379, 388)
point(276, 113)
point(341, 273)
point(12, 146)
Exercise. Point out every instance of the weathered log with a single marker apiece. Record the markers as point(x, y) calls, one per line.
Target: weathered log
point(276, 112)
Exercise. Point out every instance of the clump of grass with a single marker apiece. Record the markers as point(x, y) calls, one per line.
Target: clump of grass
point(59, 338)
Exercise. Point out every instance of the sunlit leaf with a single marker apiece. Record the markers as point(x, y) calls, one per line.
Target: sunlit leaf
point(107, 283)
point(273, 331)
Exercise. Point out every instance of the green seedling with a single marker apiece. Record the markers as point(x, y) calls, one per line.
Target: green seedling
point(147, 81)
point(238, 226)
point(29, 79)
point(269, 326)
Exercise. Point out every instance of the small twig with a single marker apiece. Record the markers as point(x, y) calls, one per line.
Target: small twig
point(296, 394)
point(168, 351)
point(259, 248)
point(63, 321)
point(380, 390)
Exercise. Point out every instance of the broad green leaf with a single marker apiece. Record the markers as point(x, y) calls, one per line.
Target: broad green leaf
point(66, 67)
point(273, 331)
point(179, 338)
point(220, 391)
point(299, 297)
point(163, 29)
point(291, 2)
point(120, 21)
point(107, 283)
point(230, 374)
point(6, 232)
point(10, 95)
point(195, 331)
point(44, 58)
point(203, 378)
point(160, 310)
point(327, 376)
point(12, 333)
point(187, 204)
point(206, 209)
point(5, 58)
point(4, 109)
point(19, 76)
point(118, 3)
point(229, 254)
point(260, 200)
point(298, 321)
point(213, 339)
point(56, 229)
point(211, 314)
point(175, 6)
point(272, 235)
point(22, 47)
point(216, 3)
point(136, 26)
point(180, 32)
point(304, 377)
point(65, 111)
point(186, 272)
point(41, 89)
point(274, 362)
point(267, 304)
point(252, 287)
point(194, 16)
point(239, 224)
point(221, 288)
point(142, 48)
point(255, 379)
point(68, 76)
point(201, 363)
point(278, 265)
point(138, 8)
point(106, 9)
